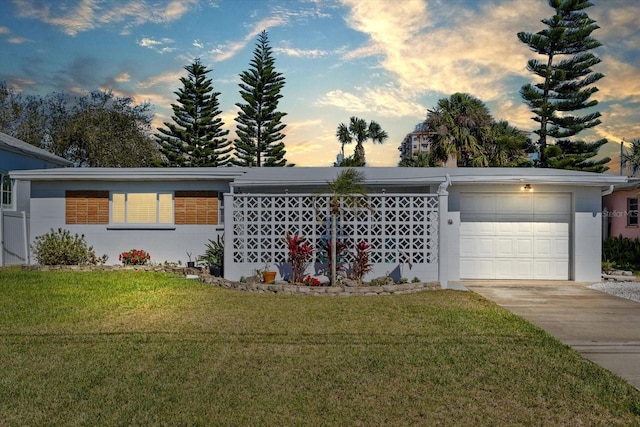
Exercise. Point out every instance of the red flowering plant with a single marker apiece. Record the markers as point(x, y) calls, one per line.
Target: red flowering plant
point(300, 252)
point(361, 264)
point(134, 257)
point(311, 281)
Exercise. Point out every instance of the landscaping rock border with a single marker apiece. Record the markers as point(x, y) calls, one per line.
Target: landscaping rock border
point(276, 288)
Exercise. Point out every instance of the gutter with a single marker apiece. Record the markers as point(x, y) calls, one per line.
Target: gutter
point(607, 191)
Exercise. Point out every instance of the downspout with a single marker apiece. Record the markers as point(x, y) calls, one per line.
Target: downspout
point(607, 191)
point(605, 213)
point(443, 236)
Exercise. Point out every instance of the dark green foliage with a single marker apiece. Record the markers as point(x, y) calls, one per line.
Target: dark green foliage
point(567, 84)
point(96, 130)
point(358, 131)
point(576, 155)
point(423, 159)
point(462, 128)
point(259, 128)
point(622, 251)
point(349, 162)
point(61, 248)
point(196, 137)
point(102, 130)
point(214, 254)
point(631, 157)
point(23, 117)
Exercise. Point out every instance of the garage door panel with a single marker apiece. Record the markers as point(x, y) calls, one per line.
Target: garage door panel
point(552, 204)
point(478, 228)
point(526, 237)
point(514, 204)
point(477, 246)
point(513, 247)
point(513, 228)
point(479, 268)
point(550, 269)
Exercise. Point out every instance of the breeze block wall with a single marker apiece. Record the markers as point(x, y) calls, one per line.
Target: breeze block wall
point(401, 229)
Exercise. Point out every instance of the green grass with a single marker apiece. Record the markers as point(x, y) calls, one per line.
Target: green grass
point(143, 348)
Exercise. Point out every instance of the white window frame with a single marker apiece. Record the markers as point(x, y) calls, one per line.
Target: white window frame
point(4, 178)
point(632, 212)
point(125, 214)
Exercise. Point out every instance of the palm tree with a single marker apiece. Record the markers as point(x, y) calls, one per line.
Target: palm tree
point(459, 123)
point(506, 145)
point(346, 191)
point(359, 131)
point(423, 159)
point(631, 157)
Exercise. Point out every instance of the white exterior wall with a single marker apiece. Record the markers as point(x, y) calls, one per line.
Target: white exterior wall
point(587, 235)
point(172, 245)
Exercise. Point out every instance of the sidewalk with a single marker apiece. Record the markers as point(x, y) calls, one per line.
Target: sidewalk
point(603, 328)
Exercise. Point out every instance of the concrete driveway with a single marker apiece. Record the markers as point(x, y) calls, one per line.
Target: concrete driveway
point(603, 328)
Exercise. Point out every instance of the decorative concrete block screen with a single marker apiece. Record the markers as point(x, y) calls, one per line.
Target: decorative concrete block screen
point(401, 229)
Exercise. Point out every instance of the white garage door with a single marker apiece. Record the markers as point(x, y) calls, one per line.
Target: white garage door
point(514, 236)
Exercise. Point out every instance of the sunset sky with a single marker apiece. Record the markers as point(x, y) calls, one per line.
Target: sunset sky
point(388, 61)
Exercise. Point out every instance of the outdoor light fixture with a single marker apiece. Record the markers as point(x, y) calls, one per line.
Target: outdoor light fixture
point(527, 187)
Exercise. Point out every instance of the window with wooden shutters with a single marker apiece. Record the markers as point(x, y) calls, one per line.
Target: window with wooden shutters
point(196, 207)
point(87, 207)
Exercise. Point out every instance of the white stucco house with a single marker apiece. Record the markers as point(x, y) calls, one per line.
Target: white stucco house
point(436, 224)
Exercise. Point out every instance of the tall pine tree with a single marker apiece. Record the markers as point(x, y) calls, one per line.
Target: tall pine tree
point(566, 86)
point(259, 141)
point(196, 137)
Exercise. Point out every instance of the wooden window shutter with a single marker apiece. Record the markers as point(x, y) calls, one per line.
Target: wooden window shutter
point(196, 207)
point(86, 207)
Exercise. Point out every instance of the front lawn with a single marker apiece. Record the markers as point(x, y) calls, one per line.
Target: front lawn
point(144, 348)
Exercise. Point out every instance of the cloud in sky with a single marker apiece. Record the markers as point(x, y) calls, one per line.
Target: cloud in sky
point(383, 60)
point(160, 46)
point(85, 15)
point(230, 49)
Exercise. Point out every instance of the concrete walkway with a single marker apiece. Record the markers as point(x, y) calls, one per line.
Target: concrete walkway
point(603, 328)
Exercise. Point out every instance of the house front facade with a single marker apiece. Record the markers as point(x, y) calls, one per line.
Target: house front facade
point(433, 224)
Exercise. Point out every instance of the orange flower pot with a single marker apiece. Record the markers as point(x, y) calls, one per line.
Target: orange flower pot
point(268, 276)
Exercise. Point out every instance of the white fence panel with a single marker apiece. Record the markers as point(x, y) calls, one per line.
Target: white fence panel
point(13, 238)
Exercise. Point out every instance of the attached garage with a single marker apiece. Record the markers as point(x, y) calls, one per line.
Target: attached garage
point(522, 235)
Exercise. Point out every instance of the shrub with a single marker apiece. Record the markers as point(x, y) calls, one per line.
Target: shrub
point(134, 257)
point(300, 252)
point(61, 248)
point(622, 251)
point(361, 264)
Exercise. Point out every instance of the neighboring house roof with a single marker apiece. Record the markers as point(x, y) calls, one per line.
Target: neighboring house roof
point(629, 185)
point(319, 176)
point(9, 143)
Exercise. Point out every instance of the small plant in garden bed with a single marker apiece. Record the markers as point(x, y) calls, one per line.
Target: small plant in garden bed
point(311, 281)
point(361, 264)
point(134, 257)
point(300, 252)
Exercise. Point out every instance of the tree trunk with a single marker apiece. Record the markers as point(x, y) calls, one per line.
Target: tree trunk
point(333, 248)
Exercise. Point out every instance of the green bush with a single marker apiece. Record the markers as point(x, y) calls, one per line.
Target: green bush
point(61, 248)
point(622, 251)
